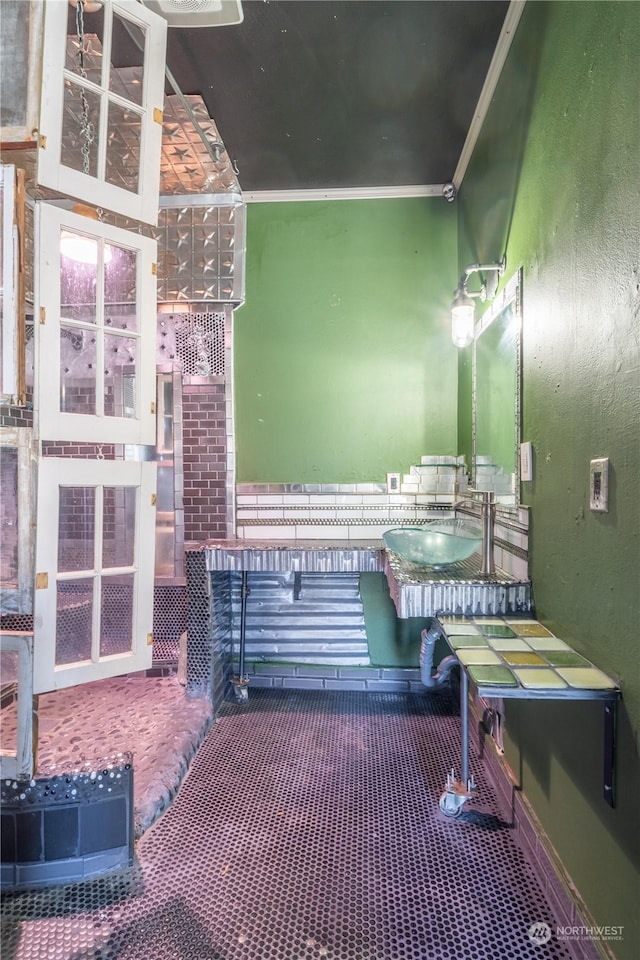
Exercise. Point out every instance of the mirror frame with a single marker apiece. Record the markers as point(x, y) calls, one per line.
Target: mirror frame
point(511, 293)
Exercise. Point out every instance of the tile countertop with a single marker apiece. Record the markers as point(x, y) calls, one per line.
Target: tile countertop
point(519, 658)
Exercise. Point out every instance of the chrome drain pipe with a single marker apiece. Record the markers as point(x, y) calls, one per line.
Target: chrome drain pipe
point(240, 683)
point(456, 792)
point(428, 677)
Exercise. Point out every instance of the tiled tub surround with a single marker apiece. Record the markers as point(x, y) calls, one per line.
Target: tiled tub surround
point(81, 725)
point(14, 416)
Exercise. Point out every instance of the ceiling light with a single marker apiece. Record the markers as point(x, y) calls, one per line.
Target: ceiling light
point(197, 13)
point(463, 306)
point(81, 248)
point(462, 318)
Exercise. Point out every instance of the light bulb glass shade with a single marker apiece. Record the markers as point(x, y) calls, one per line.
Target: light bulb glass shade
point(462, 319)
point(81, 248)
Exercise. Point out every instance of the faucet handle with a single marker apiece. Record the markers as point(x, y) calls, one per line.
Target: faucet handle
point(485, 496)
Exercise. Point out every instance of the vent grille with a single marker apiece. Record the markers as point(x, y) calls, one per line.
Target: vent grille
point(197, 13)
point(196, 341)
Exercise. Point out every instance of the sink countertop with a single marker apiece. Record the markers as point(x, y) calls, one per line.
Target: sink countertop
point(224, 544)
point(424, 591)
point(415, 591)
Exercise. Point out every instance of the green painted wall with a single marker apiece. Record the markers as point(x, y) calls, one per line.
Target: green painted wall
point(555, 180)
point(344, 366)
point(392, 642)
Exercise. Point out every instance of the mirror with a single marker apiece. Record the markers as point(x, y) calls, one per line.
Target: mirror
point(496, 396)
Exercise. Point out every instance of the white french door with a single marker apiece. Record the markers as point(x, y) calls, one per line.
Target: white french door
point(93, 606)
point(96, 336)
point(101, 122)
point(99, 141)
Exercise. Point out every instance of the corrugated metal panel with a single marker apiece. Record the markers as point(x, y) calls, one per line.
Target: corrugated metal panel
point(265, 557)
point(302, 618)
point(427, 593)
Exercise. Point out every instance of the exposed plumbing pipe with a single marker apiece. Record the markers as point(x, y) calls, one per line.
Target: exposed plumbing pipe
point(456, 792)
point(442, 673)
point(240, 684)
point(244, 593)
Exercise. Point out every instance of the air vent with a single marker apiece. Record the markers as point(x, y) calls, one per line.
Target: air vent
point(195, 340)
point(197, 13)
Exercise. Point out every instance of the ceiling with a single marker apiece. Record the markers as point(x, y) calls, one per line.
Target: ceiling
point(335, 94)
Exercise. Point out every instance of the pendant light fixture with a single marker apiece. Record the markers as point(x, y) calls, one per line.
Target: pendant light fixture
point(463, 306)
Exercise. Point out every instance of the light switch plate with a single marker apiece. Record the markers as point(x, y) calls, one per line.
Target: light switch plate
point(393, 483)
point(599, 485)
point(526, 461)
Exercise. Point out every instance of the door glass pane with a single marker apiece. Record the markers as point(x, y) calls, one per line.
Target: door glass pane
point(127, 46)
point(120, 287)
point(80, 129)
point(119, 376)
point(76, 528)
point(9, 660)
point(77, 371)
point(116, 614)
point(78, 275)
point(74, 616)
point(166, 481)
point(9, 517)
point(119, 526)
point(124, 128)
point(86, 59)
point(14, 63)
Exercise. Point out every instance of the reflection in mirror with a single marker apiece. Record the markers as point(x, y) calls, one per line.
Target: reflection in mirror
point(496, 397)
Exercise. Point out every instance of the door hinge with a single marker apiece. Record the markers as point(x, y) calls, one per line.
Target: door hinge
point(42, 581)
point(154, 269)
point(153, 406)
point(149, 639)
point(154, 499)
point(42, 141)
point(43, 315)
point(157, 114)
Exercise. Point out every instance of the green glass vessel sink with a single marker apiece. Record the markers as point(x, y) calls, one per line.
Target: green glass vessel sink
point(436, 544)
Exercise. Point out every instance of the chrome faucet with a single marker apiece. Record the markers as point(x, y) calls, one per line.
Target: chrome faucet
point(487, 500)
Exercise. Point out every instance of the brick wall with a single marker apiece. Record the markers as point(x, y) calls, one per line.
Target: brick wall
point(80, 451)
point(12, 416)
point(204, 445)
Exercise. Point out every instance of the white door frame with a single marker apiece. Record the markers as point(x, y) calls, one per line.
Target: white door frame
point(54, 473)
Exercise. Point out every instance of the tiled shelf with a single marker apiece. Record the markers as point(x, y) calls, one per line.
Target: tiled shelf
point(518, 658)
point(521, 659)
